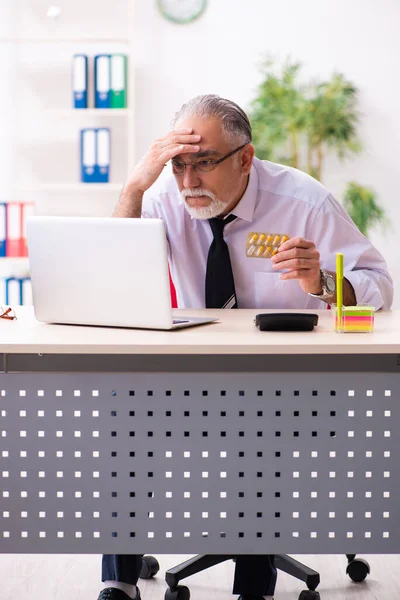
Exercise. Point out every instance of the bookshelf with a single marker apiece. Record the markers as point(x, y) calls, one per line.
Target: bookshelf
point(33, 35)
point(46, 126)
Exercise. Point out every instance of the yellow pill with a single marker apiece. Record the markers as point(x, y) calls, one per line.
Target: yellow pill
point(261, 238)
point(268, 251)
point(253, 238)
point(269, 239)
point(276, 240)
point(260, 250)
point(251, 250)
point(274, 251)
point(284, 238)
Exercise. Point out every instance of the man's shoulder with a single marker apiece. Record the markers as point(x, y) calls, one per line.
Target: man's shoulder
point(282, 180)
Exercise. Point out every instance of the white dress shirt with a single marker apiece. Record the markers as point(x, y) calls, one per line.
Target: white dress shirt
point(278, 199)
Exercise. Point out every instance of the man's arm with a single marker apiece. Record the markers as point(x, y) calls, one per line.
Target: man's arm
point(129, 204)
point(150, 167)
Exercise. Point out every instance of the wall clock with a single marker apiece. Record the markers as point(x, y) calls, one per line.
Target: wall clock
point(181, 11)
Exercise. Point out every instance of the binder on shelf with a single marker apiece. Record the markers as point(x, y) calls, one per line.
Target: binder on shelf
point(80, 80)
point(27, 210)
point(118, 81)
point(26, 291)
point(88, 155)
point(3, 228)
point(13, 291)
point(103, 152)
point(102, 75)
point(14, 229)
point(95, 155)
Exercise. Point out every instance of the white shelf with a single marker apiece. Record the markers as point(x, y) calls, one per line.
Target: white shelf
point(18, 258)
point(72, 187)
point(64, 40)
point(90, 112)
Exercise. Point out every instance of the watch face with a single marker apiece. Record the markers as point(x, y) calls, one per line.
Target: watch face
point(182, 11)
point(330, 284)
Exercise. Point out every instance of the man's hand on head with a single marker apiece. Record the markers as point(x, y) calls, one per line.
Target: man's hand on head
point(300, 259)
point(149, 168)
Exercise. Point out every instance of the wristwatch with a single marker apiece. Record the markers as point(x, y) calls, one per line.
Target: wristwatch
point(328, 285)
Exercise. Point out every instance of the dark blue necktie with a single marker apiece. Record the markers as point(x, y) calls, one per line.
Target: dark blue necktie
point(220, 286)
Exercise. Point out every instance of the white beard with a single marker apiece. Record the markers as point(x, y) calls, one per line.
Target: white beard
point(215, 208)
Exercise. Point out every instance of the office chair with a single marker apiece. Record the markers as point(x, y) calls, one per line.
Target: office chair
point(357, 569)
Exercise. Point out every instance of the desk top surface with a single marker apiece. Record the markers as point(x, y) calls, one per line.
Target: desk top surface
point(234, 333)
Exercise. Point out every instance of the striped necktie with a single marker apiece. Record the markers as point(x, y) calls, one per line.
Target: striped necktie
point(220, 286)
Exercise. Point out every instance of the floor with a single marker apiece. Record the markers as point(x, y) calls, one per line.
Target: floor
point(76, 577)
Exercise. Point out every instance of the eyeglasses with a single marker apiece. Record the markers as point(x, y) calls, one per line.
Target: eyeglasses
point(202, 166)
point(7, 313)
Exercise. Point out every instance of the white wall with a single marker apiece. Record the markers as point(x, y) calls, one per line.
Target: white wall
point(220, 53)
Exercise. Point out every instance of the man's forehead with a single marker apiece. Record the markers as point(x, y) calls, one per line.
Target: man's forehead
point(212, 143)
point(209, 128)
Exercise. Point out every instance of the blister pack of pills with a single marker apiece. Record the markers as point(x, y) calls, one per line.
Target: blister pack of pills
point(264, 245)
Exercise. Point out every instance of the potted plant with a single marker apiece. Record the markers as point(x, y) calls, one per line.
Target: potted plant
point(298, 124)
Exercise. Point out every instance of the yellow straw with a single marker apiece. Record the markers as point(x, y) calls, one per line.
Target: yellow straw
point(339, 289)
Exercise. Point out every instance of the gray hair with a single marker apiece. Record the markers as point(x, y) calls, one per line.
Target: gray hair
point(235, 122)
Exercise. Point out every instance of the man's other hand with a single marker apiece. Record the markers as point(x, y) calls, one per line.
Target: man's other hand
point(300, 259)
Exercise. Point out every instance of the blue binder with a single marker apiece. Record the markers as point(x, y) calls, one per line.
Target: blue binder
point(26, 291)
point(80, 80)
point(13, 291)
point(103, 152)
point(102, 81)
point(3, 229)
point(88, 156)
point(95, 155)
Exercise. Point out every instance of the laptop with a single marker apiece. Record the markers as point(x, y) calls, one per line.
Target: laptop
point(102, 271)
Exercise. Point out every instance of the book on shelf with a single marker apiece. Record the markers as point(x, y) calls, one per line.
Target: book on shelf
point(80, 80)
point(110, 81)
point(13, 217)
point(119, 80)
point(95, 155)
point(102, 81)
point(16, 291)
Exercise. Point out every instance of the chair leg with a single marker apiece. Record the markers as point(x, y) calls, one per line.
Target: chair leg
point(192, 566)
point(289, 565)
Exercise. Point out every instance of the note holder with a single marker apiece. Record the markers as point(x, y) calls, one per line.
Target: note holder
point(354, 319)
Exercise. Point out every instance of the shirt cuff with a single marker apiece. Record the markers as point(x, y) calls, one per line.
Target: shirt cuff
point(371, 288)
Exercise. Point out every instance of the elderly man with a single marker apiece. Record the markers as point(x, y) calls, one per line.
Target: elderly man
point(217, 194)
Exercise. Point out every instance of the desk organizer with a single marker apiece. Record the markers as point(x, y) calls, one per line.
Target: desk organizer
point(355, 319)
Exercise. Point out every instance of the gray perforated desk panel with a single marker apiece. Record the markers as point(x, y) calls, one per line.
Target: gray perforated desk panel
point(199, 454)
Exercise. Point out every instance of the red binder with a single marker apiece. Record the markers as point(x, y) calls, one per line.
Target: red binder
point(27, 209)
point(14, 229)
point(17, 212)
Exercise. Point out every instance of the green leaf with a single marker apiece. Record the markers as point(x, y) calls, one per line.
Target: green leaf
point(362, 205)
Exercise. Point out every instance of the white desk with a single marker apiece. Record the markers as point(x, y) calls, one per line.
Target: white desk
point(216, 439)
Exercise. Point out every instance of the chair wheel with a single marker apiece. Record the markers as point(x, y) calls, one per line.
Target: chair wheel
point(181, 592)
point(150, 567)
point(358, 569)
point(309, 595)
